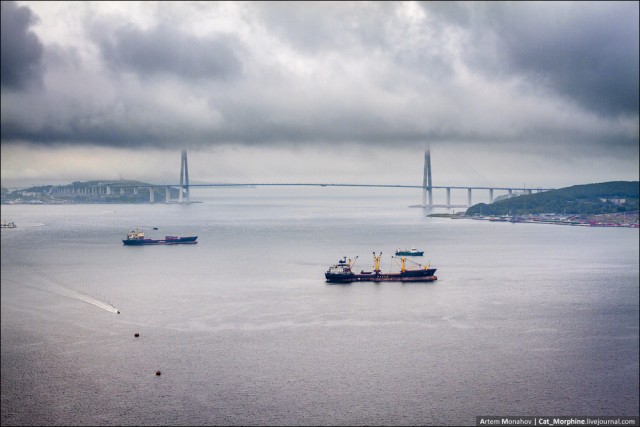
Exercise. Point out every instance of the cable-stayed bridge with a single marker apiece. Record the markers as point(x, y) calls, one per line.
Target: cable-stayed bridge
point(183, 187)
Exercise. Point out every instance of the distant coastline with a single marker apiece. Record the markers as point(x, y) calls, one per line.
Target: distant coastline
point(619, 219)
point(91, 192)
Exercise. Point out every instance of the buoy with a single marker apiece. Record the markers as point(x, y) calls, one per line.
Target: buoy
point(118, 311)
point(158, 373)
point(136, 335)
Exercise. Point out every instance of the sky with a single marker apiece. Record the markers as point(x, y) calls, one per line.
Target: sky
point(504, 93)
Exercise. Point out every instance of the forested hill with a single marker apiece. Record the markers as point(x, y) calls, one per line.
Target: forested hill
point(606, 197)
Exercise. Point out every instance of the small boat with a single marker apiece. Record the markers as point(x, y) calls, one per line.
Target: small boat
point(137, 238)
point(342, 272)
point(409, 252)
point(9, 224)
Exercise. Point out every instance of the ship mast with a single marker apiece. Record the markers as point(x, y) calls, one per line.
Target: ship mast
point(376, 262)
point(403, 269)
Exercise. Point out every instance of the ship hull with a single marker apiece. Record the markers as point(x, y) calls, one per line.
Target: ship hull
point(174, 241)
point(409, 253)
point(427, 275)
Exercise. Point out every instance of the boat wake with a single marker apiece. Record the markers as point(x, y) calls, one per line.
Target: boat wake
point(69, 293)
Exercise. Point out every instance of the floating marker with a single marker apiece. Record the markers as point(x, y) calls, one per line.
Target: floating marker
point(136, 335)
point(157, 373)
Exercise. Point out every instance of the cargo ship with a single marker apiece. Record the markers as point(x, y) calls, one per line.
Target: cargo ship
point(136, 238)
point(342, 272)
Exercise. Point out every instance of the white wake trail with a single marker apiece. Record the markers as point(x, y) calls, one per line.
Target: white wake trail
point(69, 293)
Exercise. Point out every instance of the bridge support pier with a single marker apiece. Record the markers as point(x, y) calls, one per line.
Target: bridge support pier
point(448, 196)
point(427, 196)
point(151, 195)
point(167, 195)
point(468, 197)
point(491, 195)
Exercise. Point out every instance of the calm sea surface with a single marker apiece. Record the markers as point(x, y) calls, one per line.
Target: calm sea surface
point(525, 319)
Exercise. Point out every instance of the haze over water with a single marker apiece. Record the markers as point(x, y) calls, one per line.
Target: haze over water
point(525, 319)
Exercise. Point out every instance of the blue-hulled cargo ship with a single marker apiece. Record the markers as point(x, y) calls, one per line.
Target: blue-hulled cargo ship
point(137, 238)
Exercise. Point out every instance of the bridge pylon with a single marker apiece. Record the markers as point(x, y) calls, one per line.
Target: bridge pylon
point(427, 185)
point(184, 177)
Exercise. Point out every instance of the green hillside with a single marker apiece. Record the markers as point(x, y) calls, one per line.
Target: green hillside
point(606, 197)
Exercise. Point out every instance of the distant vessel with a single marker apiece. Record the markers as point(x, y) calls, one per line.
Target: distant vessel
point(409, 252)
point(136, 238)
point(342, 273)
point(9, 224)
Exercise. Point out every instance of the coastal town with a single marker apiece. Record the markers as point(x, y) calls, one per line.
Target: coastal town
point(619, 219)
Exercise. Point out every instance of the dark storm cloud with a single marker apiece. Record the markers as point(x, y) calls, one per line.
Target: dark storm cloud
point(21, 48)
point(165, 50)
point(586, 51)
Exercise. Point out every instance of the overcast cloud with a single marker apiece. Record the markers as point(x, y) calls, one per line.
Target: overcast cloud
point(519, 79)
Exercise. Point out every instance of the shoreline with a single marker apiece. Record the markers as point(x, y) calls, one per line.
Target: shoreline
point(618, 220)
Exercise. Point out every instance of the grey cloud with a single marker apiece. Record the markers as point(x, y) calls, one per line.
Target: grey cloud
point(588, 52)
point(453, 12)
point(21, 49)
point(165, 50)
point(320, 26)
point(368, 73)
point(585, 51)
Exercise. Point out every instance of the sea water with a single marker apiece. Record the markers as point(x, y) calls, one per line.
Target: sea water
point(524, 319)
